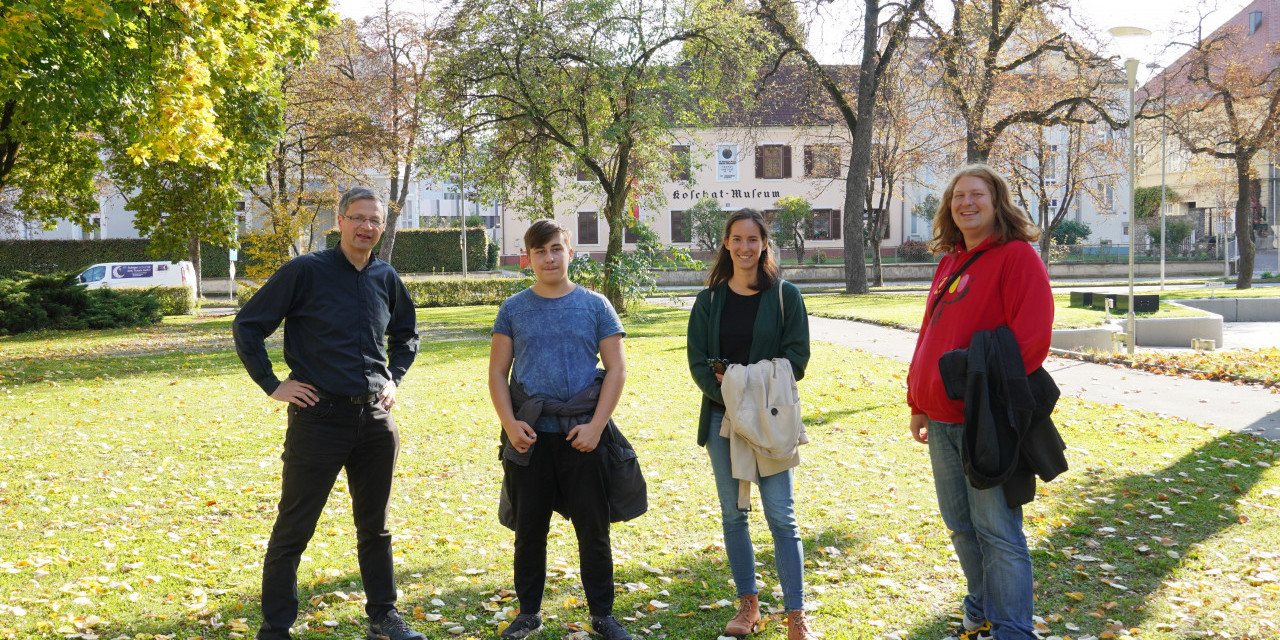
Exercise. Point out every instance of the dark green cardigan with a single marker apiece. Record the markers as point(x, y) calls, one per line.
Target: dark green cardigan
point(769, 339)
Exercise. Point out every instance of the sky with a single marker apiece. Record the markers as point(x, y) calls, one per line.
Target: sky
point(1166, 19)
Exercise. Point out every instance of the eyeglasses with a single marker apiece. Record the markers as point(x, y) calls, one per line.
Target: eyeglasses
point(358, 221)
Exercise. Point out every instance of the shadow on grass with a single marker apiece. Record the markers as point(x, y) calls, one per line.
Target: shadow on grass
point(1141, 527)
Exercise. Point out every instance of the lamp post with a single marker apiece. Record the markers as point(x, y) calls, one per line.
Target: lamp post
point(1130, 41)
point(1164, 231)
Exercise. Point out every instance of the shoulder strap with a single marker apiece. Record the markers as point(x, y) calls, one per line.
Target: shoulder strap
point(781, 306)
point(933, 304)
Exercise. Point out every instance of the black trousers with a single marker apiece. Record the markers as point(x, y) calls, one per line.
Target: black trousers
point(558, 474)
point(322, 440)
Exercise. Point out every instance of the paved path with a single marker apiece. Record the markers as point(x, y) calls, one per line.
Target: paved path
point(1231, 406)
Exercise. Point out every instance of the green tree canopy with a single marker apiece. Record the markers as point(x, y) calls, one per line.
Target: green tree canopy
point(161, 76)
point(1146, 200)
point(596, 84)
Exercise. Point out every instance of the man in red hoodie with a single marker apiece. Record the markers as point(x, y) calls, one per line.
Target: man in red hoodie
point(990, 275)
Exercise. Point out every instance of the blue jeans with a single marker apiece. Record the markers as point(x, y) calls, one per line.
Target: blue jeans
point(988, 539)
point(779, 511)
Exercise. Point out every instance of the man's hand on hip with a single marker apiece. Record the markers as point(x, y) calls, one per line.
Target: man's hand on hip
point(294, 392)
point(387, 397)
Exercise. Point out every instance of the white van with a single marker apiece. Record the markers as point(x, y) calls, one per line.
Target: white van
point(119, 275)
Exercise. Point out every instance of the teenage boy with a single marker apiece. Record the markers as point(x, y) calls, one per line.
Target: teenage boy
point(556, 332)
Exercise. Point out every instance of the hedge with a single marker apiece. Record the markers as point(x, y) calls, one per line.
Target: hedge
point(56, 256)
point(458, 293)
point(175, 301)
point(440, 293)
point(436, 250)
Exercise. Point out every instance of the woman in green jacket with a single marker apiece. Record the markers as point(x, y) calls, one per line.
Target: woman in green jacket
point(747, 314)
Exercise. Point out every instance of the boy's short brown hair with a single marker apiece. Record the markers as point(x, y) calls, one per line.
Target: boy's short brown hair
point(542, 232)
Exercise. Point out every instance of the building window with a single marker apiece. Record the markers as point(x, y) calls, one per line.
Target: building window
point(681, 163)
point(822, 161)
point(825, 225)
point(680, 231)
point(1109, 197)
point(773, 161)
point(240, 206)
point(1051, 165)
point(588, 228)
point(242, 223)
point(584, 174)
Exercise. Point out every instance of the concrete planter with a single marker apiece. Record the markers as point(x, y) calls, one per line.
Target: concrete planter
point(1240, 309)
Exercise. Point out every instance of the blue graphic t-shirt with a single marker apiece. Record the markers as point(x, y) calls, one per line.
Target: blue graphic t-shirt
point(556, 341)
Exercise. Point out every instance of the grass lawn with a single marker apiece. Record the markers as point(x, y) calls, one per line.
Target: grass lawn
point(142, 472)
point(905, 310)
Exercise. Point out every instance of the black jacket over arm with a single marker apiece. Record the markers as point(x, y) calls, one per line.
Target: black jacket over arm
point(1009, 435)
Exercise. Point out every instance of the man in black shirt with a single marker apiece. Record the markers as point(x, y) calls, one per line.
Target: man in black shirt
point(341, 304)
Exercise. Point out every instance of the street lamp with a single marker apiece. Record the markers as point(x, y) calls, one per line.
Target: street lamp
point(1164, 232)
point(1130, 41)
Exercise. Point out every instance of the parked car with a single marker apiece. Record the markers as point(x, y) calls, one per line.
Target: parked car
point(117, 275)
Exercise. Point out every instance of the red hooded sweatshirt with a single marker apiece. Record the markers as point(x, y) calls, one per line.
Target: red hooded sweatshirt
point(1006, 285)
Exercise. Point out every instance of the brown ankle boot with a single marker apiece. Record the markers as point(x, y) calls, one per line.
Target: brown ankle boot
point(797, 628)
point(747, 619)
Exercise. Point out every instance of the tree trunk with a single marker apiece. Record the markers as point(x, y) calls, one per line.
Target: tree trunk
point(1244, 222)
point(1045, 243)
point(615, 212)
point(393, 215)
point(976, 151)
point(193, 253)
point(855, 183)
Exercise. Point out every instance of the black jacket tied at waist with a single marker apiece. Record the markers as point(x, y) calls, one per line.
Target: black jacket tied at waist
point(627, 491)
point(1009, 435)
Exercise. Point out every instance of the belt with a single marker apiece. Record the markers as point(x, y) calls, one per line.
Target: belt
point(365, 399)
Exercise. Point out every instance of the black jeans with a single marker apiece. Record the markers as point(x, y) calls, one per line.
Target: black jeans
point(322, 440)
point(559, 475)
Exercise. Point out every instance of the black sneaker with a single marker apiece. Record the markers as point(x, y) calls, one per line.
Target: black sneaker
point(392, 627)
point(525, 625)
point(609, 628)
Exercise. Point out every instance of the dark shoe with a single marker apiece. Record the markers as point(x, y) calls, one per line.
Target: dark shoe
point(609, 628)
point(392, 627)
point(525, 625)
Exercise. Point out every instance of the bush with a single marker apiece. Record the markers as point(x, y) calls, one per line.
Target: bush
point(175, 301)
point(439, 293)
point(457, 293)
point(434, 250)
point(914, 251)
point(35, 302)
point(57, 256)
point(1070, 232)
point(244, 291)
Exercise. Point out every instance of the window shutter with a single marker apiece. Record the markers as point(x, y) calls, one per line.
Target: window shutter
point(759, 162)
point(836, 218)
point(808, 161)
point(786, 161)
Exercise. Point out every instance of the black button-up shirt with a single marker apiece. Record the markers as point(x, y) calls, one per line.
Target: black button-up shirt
point(336, 318)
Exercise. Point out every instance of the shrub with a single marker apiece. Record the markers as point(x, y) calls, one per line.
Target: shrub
point(914, 251)
point(1071, 232)
point(457, 293)
point(434, 250)
point(635, 271)
point(57, 256)
point(439, 293)
point(34, 302)
point(175, 301)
